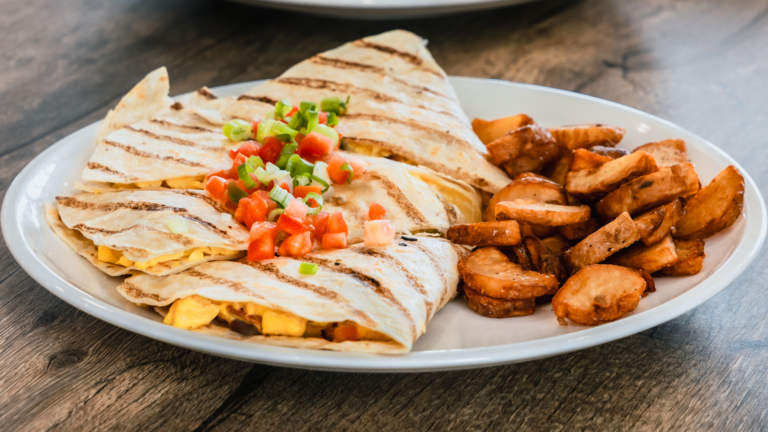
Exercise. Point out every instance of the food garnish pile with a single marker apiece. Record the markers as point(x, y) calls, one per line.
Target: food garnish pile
point(585, 224)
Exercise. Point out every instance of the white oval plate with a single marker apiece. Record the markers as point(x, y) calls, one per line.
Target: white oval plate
point(457, 338)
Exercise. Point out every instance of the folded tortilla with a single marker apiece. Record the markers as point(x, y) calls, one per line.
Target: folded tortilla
point(402, 105)
point(131, 230)
point(393, 290)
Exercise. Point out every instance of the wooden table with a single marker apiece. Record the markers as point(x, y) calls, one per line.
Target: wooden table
point(701, 64)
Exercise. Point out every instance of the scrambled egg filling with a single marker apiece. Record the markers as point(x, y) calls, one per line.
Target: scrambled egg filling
point(195, 182)
point(463, 201)
point(376, 151)
point(113, 256)
point(195, 311)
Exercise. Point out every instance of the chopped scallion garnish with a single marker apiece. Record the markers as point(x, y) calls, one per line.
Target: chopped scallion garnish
point(282, 108)
point(346, 167)
point(313, 119)
point(307, 106)
point(314, 211)
point(244, 172)
point(255, 162)
point(333, 119)
point(308, 268)
point(297, 166)
point(237, 130)
point(280, 196)
point(302, 180)
point(269, 128)
point(288, 150)
point(297, 121)
point(274, 214)
point(327, 131)
point(235, 193)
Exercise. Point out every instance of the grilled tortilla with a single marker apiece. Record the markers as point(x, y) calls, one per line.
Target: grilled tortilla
point(389, 292)
point(131, 230)
point(402, 105)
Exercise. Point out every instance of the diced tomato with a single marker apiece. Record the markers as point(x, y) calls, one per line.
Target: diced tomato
point(270, 152)
point(242, 208)
point(293, 111)
point(334, 240)
point(255, 127)
point(216, 173)
point(299, 138)
point(247, 149)
point(296, 210)
point(319, 223)
point(322, 117)
point(239, 160)
point(358, 166)
point(256, 210)
point(290, 225)
point(376, 211)
point(285, 187)
point(378, 232)
point(334, 169)
point(216, 186)
point(296, 245)
point(232, 153)
point(337, 224)
point(259, 229)
point(302, 191)
point(271, 205)
point(341, 333)
point(262, 248)
point(315, 146)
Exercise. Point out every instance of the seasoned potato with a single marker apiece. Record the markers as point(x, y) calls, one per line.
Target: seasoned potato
point(650, 284)
point(601, 244)
point(535, 212)
point(526, 149)
point(595, 183)
point(714, 208)
point(544, 261)
point(691, 254)
point(666, 153)
point(489, 272)
point(649, 258)
point(580, 230)
point(657, 223)
point(587, 160)
point(519, 254)
point(558, 169)
point(498, 308)
point(611, 152)
point(527, 186)
point(502, 233)
point(649, 191)
point(557, 244)
point(587, 135)
point(599, 292)
point(492, 130)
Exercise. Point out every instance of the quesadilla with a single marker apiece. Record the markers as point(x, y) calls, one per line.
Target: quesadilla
point(402, 105)
point(158, 232)
point(364, 299)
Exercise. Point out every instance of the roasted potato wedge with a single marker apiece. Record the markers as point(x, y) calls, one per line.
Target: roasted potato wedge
point(498, 308)
point(557, 244)
point(691, 255)
point(666, 153)
point(587, 135)
point(544, 261)
point(611, 238)
point(714, 208)
point(558, 169)
point(580, 230)
point(489, 131)
point(650, 284)
point(526, 149)
point(527, 186)
point(489, 272)
point(649, 191)
point(595, 183)
point(611, 152)
point(501, 233)
point(598, 293)
point(587, 160)
point(519, 254)
point(657, 223)
point(649, 258)
point(535, 212)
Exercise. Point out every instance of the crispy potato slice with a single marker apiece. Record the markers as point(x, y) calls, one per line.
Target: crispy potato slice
point(557, 244)
point(595, 183)
point(489, 272)
point(714, 208)
point(498, 308)
point(501, 233)
point(526, 149)
point(558, 169)
point(611, 152)
point(489, 131)
point(600, 292)
point(544, 261)
point(519, 254)
point(649, 258)
point(527, 186)
point(535, 212)
point(580, 230)
point(691, 254)
point(587, 135)
point(586, 160)
point(650, 284)
point(657, 223)
point(611, 238)
point(666, 153)
point(649, 191)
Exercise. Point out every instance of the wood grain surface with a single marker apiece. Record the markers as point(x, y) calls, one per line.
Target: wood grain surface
point(701, 64)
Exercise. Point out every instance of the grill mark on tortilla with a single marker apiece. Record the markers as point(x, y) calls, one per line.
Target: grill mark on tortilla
point(450, 211)
point(439, 132)
point(373, 283)
point(174, 140)
point(264, 99)
point(235, 286)
point(436, 266)
point(321, 84)
point(208, 200)
point(177, 106)
point(211, 227)
point(204, 92)
point(112, 206)
point(398, 196)
point(410, 58)
point(183, 126)
point(137, 293)
point(178, 238)
point(142, 154)
point(99, 167)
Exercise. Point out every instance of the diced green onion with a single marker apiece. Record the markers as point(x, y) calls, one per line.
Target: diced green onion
point(269, 128)
point(177, 226)
point(346, 167)
point(297, 121)
point(320, 175)
point(307, 106)
point(255, 162)
point(244, 172)
point(270, 114)
point(280, 196)
point(313, 119)
point(265, 176)
point(288, 150)
point(272, 168)
point(284, 137)
point(323, 183)
point(302, 180)
point(333, 119)
point(238, 130)
point(307, 268)
point(297, 166)
point(314, 211)
point(329, 132)
point(274, 214)
point(282, 108)
point(235, 193)
point(331, 105)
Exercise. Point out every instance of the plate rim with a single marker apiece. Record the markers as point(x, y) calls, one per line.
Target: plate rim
point(423, 361)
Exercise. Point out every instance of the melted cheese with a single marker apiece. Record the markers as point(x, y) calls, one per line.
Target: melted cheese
point(468, 203)
point(114, 256)
point(195, 182)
